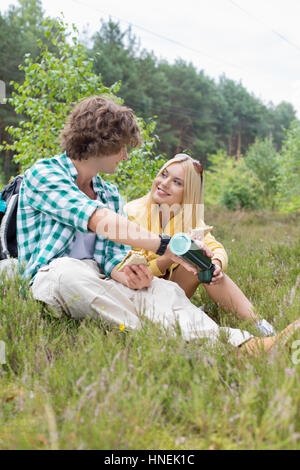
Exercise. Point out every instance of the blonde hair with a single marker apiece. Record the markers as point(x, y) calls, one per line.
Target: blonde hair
point(192, 202)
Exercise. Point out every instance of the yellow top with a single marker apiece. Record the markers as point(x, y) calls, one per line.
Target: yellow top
point(138, 212)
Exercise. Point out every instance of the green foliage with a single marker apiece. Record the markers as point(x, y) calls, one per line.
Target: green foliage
point(231, 183)
point(27, 18)
point(72, 384)
point(219, 170)
point(245, 117)
point(283, 115)
point(262, 179)
point(114, 52)
point(262, 158)
point(288, 195)
point(53, 83)
point(241, 192)
point(193, 111)
point(20, 27)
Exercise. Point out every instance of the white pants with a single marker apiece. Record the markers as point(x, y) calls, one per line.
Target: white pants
point(77, 288)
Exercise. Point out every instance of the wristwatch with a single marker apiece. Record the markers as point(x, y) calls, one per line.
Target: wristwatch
point(164, 242)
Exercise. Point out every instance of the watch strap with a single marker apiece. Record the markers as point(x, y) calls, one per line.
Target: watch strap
point(164, 241)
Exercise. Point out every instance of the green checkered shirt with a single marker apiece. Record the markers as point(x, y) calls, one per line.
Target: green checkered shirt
point(51, 208)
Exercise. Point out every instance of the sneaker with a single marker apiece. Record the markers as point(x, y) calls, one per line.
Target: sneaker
point(265, 328)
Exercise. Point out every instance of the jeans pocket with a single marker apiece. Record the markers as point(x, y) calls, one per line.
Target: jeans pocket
point(44, 287)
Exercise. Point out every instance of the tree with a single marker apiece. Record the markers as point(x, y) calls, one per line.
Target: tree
point(231, 183)
point(261, 158)
point(116, 56)
point(193, 112)
point(246, 117)
point(282, 117)
point(27, 19)
point(9, 59)
point(20, 27)
point(53, 83)
point(187, 109)
point(288, 184)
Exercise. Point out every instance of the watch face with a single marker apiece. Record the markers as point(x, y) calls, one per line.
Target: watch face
point(164, 236)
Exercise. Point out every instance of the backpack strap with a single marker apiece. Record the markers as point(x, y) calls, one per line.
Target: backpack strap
point(5, 223)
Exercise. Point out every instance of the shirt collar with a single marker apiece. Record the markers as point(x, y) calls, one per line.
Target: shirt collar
point(98, 183)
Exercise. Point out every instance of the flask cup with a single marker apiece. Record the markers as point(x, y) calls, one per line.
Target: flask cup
point(184, 247)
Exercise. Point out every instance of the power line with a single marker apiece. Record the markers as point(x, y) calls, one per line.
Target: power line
point(198, 51)
point(251, 15)
point(173, 41)
point(169, 109)
point(190, 112)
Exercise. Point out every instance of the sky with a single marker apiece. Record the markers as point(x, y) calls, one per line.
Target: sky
point(256, 42)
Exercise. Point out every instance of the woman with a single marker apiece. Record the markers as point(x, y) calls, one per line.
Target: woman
point(175, 204)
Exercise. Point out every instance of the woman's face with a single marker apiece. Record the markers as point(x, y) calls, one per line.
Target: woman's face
point(168, 186)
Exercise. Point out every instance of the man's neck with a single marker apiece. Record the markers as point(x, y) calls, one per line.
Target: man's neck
point(85, 174)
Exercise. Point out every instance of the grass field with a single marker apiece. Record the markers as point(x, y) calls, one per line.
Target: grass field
point(74, 385)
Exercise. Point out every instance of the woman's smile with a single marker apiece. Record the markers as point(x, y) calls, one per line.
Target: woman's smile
point(169, 185)
point(162, 192)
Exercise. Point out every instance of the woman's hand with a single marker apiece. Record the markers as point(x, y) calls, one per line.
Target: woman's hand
point(189, 267)
point(135, 276)
point(203, 247)
point(217, 275)
point(198, 240)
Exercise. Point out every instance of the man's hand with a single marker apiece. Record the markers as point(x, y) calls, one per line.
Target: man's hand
point(135, 276)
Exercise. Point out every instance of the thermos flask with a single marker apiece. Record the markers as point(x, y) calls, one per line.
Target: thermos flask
point(184, 247)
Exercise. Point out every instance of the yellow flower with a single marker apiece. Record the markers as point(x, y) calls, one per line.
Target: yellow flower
point(122, 327)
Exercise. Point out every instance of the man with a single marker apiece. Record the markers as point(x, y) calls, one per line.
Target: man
point(72, 233)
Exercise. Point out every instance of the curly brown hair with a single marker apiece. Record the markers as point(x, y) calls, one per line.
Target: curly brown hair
point(98, 126)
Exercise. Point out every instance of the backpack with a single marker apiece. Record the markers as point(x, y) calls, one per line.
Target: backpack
point(8, 218)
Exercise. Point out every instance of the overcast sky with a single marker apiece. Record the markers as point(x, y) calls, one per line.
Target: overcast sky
point(256, 42)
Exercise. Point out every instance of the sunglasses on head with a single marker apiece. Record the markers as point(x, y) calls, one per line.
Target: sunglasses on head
point(182, 157)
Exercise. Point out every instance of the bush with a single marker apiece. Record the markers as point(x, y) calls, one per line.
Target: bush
point(288, 192)
point(261, 159)
point(231, 183)
point(53, 83)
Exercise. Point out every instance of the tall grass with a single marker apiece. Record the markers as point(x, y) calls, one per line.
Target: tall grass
point(75, 385)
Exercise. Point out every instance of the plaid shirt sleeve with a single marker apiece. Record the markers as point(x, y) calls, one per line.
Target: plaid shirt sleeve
point(50, 192)
point(114, 252)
